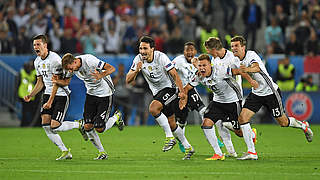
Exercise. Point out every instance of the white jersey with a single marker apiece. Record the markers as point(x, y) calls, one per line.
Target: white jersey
point(100, 88)
point(46, 68)
point(185, 69)
point(266, 84)
point(156, 72)
point(223, 85)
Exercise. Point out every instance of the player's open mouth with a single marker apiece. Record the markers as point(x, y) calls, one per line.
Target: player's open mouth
point(37, 51)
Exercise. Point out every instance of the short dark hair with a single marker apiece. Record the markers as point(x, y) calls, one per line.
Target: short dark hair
point(213, 43)
point(190, 43)
point(241, 39)
point(204, 57)
point(43, 38)
point(147, 39)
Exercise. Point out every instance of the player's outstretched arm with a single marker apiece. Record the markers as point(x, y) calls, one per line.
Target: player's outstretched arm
point(37, 88)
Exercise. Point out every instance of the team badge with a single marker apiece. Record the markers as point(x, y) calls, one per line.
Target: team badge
point(150, 68)
point(43, 66)
point(300, 106)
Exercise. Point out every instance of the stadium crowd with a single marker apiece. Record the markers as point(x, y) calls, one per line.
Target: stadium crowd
point(94, 26)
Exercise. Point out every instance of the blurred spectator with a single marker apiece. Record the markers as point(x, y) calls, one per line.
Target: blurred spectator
point(22, 42)
point(188, 28)
point(122, 92)
point(251, 16)
point(285, 75)
point(141, 13)
point(175, 42)
point(68, 43)
point(313, 48)
point(55, 35)
point(130, 37)
point(38, 24)
point(21, 18)
point(13, 29)
point(293, 47)
point(303, 28)
point(316, 23)
point(274, 37)
point(227, 19)
point(113, 40)
point(99, 38)
point(69, 20)
point(91, 10)
point(281, 18)
point(108, 13)
point(205, 32)
point(205, 10)
point(87, 40)
point(5, 42)
point(157, 11)
point(306, 84)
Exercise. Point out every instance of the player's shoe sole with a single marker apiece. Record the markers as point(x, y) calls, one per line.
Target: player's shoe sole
point(216, 157)
point(248, 156)
point(119, 122)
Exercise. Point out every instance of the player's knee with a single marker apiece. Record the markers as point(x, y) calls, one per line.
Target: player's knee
point(99, 130)
point(238, 133)
point(88, 127)
point(207, 122)
point(154, 110)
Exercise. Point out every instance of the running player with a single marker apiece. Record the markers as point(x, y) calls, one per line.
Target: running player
point(48, 65)
point(159, 71)
point(186, 69)
point(267, 94)
point(96, 76)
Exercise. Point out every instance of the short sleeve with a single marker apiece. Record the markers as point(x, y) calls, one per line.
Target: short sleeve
point(165, 61)
point(95, 63)
point(57, 67)
point(135, 62)
point(35, 64)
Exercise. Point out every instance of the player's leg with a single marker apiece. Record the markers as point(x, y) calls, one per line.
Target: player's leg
point(211, 116)
point(275, 105)
point(53, 136)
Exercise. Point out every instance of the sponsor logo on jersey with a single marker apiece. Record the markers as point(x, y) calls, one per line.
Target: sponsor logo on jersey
point(299, 106)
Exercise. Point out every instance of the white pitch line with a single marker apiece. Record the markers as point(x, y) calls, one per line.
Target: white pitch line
point(146, 172)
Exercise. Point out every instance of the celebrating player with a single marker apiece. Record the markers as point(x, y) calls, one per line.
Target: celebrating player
point(267, 94)
point(158, 70)
point(48, 65)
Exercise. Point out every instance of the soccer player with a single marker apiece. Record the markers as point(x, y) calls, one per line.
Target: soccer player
point(48, 65)
point(159, 71)
point(186, 69)
point(96, 76)
point(267, 94)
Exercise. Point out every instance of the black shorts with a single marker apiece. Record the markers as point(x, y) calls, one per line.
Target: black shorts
point(194, 100)
point(97, 110)
point(227, 112)
point(58, 108)
point(170, 101)
point(272, 102)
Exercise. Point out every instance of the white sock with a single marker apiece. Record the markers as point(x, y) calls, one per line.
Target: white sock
point(296, 123)
point(228, 125)
point(95, 139)
point(210, 134)
point(67, 125)
point(110, 122)
point(163, 122)
point(201, 112)
point(55, 138)
point(180, 135)
point(225, 136)
point(247, 136)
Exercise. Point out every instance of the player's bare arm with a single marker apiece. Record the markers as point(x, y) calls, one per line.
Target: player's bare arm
point(251, 69)
point(131, 75)
point(252, 82)
point(182, 95)
point(37, 88)
point(108, 69)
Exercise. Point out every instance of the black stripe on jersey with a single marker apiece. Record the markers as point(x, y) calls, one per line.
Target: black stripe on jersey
point(235, 88)
point(269, 83)
point(110, 84)
point(66, 91)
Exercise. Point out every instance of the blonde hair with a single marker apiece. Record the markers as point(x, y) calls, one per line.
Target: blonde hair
point(67, 59)
point(213, 43)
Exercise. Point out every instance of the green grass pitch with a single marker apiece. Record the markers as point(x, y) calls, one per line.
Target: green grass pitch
point(135, 153)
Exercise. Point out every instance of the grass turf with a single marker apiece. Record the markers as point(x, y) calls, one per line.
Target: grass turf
point(135, 153)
